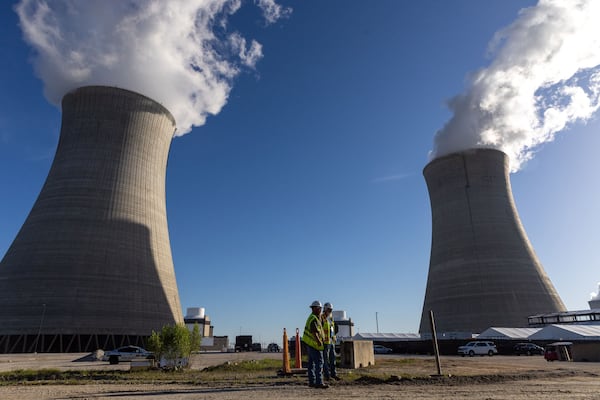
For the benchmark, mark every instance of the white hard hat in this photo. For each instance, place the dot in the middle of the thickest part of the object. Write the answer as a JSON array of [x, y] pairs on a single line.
[[316, 303], [328, 306]]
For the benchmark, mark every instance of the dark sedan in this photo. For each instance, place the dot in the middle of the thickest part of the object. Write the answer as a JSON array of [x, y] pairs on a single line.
[[528, 349]]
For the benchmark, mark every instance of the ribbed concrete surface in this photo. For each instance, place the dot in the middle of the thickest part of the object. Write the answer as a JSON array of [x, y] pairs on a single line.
[[94, 255], [483, 271]]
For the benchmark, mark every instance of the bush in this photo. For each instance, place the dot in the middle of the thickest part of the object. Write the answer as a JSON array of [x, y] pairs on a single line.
[[174, 344]]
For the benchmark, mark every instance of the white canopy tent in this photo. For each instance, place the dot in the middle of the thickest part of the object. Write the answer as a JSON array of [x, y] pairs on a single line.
[[507, 333], [567, 332]]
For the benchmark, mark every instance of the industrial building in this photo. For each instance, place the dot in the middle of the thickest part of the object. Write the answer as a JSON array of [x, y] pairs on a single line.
[[345, 326], [483, 271], [197, 315], [91, 266]]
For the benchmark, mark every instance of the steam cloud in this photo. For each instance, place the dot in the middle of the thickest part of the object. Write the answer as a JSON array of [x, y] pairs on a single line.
[[545, 76], [596, 295], [177, 52]]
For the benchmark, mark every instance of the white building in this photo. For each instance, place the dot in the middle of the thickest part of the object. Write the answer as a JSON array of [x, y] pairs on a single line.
[[345, 326]]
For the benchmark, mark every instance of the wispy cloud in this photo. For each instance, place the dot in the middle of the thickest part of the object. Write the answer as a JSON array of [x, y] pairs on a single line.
[[273, 11], [35, 155], [390, 178]]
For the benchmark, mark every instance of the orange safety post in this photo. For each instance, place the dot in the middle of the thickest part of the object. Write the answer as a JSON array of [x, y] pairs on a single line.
[[286, 354], [298, 354]]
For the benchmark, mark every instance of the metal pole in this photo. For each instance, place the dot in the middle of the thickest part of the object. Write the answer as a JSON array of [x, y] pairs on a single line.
[[37, 339], [377, 321], [435, 343]]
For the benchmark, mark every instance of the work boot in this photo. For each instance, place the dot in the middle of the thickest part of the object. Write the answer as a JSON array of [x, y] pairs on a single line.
[[321, 386]]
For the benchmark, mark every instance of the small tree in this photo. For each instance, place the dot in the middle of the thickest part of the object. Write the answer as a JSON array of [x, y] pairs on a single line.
[[155, 344], [173, 345], [195, 338]]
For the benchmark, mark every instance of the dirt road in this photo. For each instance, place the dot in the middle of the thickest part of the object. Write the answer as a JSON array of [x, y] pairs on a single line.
[[568, 388], [490, 378]]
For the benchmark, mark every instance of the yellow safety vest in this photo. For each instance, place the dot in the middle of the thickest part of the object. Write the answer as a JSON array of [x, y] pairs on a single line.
[[329, 331], [308, 337]]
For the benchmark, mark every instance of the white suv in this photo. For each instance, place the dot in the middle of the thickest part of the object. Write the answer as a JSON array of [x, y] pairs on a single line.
[[479, 348]]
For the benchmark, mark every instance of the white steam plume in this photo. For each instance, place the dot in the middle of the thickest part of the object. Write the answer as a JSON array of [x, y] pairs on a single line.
[[596, 295], [177, 52], [545, 76]]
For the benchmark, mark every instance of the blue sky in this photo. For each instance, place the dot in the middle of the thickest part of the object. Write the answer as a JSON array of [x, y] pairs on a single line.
[[308, 184]]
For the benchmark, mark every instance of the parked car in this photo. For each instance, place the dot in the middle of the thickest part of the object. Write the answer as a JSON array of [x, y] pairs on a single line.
[[126, 353], [479, 348], [528, 348], [273, 348], [379, 349]]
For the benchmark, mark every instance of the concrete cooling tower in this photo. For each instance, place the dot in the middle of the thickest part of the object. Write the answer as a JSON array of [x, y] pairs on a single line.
[[91, 267], [483, 271]]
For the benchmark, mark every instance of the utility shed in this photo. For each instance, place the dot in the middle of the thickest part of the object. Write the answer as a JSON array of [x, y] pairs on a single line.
[[585, 351], [508, 333], [568, 332]]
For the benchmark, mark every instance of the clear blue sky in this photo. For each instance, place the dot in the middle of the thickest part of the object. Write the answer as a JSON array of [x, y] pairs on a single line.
[[308, 184]]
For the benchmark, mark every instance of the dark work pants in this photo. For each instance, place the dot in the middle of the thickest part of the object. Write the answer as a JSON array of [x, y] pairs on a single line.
[[315, 366], [329, 361]]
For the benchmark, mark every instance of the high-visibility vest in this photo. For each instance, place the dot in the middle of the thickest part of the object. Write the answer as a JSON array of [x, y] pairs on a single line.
[[309, 337], [329, 330]]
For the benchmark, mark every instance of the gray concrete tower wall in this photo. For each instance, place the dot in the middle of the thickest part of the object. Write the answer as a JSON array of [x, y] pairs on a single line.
[[93, 257], [483, 271]]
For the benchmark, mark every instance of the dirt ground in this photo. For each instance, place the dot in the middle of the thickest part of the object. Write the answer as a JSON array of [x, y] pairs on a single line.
[[489, 378]]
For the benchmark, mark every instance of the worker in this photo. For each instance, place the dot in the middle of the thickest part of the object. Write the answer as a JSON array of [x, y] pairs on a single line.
[[313, 338], [329, 371]]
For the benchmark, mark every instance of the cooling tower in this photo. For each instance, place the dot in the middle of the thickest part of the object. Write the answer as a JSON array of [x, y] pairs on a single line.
[[483, 271], [91, 267]]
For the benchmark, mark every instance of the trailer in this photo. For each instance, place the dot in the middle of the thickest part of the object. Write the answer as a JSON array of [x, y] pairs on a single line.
[[243, 343]]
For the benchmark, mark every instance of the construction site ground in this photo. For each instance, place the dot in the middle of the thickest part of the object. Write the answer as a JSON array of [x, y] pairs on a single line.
[[392, 377]]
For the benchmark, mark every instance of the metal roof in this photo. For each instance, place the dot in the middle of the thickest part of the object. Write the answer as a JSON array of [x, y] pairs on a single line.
[[568, 332], [507, 333], [386, 337]]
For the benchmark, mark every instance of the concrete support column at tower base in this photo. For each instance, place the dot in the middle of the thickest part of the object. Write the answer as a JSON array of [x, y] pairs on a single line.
[[67, 343]]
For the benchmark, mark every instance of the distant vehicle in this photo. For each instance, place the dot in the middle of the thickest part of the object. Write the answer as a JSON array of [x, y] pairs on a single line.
[[559, 351], [126, 353], [528, 349], [550, 354], [243, 343], [478, 348], [379, 349], [256, 347], [273, 348]]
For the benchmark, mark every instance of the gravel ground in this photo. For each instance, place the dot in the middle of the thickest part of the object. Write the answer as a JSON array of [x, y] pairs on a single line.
[[490, 378]]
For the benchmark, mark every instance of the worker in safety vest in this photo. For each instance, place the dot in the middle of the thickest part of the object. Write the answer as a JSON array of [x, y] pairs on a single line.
[[313, 338], [328, 343]]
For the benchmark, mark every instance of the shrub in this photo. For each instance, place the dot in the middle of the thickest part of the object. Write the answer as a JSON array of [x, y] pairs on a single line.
[[174, 344]]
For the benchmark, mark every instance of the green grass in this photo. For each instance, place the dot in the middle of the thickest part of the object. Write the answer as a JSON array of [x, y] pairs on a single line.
[[246, 366], [250, 372], [246, 371], [50, 375]]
